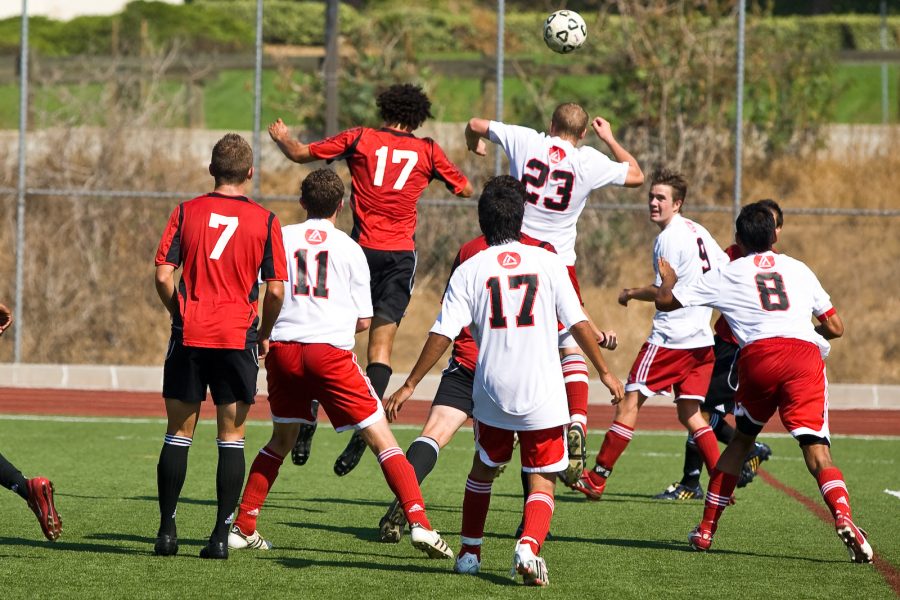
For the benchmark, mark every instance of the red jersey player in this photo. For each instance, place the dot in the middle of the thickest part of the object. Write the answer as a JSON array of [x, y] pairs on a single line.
[[767, 299], [311, 357], [389, 169], [225, 243], [512, 296]]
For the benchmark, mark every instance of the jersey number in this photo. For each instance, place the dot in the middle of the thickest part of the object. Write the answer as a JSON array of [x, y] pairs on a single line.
[[410, 157], [231, 224], [538, 179], [772, 294], [301, 288], [525, 318], [704, 257]]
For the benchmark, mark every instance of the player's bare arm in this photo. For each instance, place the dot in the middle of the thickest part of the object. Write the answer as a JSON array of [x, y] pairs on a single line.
[[644, 294], [635, 177], [831, 328], [605, 339], [665, 299], [292, 148], [585, 338], [6, 318], [271, 308], [434, 349], [476, 133], [165, 287]]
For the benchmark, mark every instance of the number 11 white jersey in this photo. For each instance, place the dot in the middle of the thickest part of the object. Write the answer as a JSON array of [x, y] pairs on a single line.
[[558, 178], [512, 295]]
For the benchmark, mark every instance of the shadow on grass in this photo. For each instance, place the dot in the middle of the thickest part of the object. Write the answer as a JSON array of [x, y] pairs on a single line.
[[70, 546], [366, 534], [182, 500]]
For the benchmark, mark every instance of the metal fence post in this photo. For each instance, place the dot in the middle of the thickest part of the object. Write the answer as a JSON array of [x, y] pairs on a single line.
[[739, 112], [20, 197], [257, 101], [501, 25]]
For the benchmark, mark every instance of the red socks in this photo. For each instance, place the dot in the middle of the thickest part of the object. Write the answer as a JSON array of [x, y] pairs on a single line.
[[538, 512], [476, 501], [834, 492], [401, 478], [614, 443], [718, 495], [262, 476], [708, 445], [575, 375]]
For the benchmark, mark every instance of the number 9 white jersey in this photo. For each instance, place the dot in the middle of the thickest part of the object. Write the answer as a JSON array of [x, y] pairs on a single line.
[[558, 178]]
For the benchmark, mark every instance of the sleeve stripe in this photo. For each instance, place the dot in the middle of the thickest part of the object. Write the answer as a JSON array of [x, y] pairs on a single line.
[[826, 315]]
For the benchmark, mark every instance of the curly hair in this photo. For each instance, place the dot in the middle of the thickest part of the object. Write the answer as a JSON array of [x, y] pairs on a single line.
[[404, 104]]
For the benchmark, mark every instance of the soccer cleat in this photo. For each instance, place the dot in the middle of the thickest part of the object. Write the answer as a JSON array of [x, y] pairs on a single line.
[[214, 550], [679, 491], [587, 487], [40, 501], [303, 445], [577, 454], [855, 539], [238, 541], [758, 455], [166, 545], [532, 568], [349, 458], [700, 538], [467, 564], [391, 525], [430, 542]]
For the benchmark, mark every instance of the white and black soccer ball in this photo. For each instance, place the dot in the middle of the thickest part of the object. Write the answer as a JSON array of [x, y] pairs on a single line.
[[564, 31]]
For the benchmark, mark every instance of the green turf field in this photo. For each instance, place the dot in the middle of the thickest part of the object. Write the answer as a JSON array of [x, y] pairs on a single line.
[[323, 527]]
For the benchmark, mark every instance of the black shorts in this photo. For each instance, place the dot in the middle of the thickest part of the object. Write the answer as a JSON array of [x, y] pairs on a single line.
[[229, 374], [392, 276], [455, 389], [724, 381]]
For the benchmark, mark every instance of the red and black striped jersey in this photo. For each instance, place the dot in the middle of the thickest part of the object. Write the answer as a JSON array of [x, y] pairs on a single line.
[[389, 170], [225, 245]]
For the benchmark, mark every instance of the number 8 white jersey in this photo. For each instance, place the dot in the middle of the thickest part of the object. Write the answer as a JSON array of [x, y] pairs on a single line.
[[558, 178], [327, 288], [512, 295], [762, 296]]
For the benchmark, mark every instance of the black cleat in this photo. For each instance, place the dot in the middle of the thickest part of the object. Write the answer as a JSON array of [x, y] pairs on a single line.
[[166, 545], [390, 527], [351, 455], [679, 491], [217, 550], [757, 456], [303, 445]]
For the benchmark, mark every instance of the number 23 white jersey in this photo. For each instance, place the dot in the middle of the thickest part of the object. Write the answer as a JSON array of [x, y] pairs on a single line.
[[558, 178], [327, 288], [512, 295]]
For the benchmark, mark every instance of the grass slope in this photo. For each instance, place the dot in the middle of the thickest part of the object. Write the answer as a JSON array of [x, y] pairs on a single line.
[[323, 527]]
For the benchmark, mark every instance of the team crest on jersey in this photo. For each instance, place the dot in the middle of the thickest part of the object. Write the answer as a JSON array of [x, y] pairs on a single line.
[[764, 261], [509, 260], [316, 236], [557, 154]]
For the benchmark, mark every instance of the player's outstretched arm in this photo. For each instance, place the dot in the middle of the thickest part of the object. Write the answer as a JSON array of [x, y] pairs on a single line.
[[644, 294], [165, 287], [272, 302], [434, 348], [476, 133], [585, 338], [665, 299], [6, 318], [292, 148], [635, 177]]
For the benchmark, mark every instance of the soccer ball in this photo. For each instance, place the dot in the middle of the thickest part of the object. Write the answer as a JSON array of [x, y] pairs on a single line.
[[564, 31]]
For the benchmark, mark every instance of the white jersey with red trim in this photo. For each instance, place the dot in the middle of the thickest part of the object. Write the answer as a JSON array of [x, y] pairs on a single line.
[[763, 296], [327, 288], [512, 296], [693, 253], [558, 178]]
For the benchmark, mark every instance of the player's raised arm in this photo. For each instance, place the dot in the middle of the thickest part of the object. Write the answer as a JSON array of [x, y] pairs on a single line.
[[635, 177], [292, 148], [6, 318], [476, 132]]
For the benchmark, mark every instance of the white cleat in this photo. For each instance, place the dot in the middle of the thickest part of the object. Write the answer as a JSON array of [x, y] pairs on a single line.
[[430, 542], [532, 568], [855, 539], [467, 564], [238, 541]]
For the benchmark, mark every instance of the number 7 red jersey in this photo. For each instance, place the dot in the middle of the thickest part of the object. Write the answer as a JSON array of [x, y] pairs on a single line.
[[226, 244], [389, 170]]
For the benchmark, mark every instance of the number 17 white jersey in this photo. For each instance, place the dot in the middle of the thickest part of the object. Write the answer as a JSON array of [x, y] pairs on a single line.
[[512, 295], [558, 178]]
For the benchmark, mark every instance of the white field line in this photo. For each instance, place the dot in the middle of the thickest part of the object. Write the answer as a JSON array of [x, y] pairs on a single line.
[[895, 493]]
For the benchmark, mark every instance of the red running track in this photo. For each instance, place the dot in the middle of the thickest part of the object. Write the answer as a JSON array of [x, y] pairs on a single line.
[[93, 403]]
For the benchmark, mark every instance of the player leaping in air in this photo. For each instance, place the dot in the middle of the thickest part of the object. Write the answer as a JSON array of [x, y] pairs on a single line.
[[389, 169], [558, 176]]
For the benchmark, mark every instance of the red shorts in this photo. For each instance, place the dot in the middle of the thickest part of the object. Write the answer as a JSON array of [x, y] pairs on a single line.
[[787, 375], [541, 450], [659, 370], [299, 373]]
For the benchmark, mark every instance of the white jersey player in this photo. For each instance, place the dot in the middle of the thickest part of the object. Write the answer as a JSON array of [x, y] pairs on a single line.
[[558, 177], [511, 295], [768, 299], [678, 357]]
